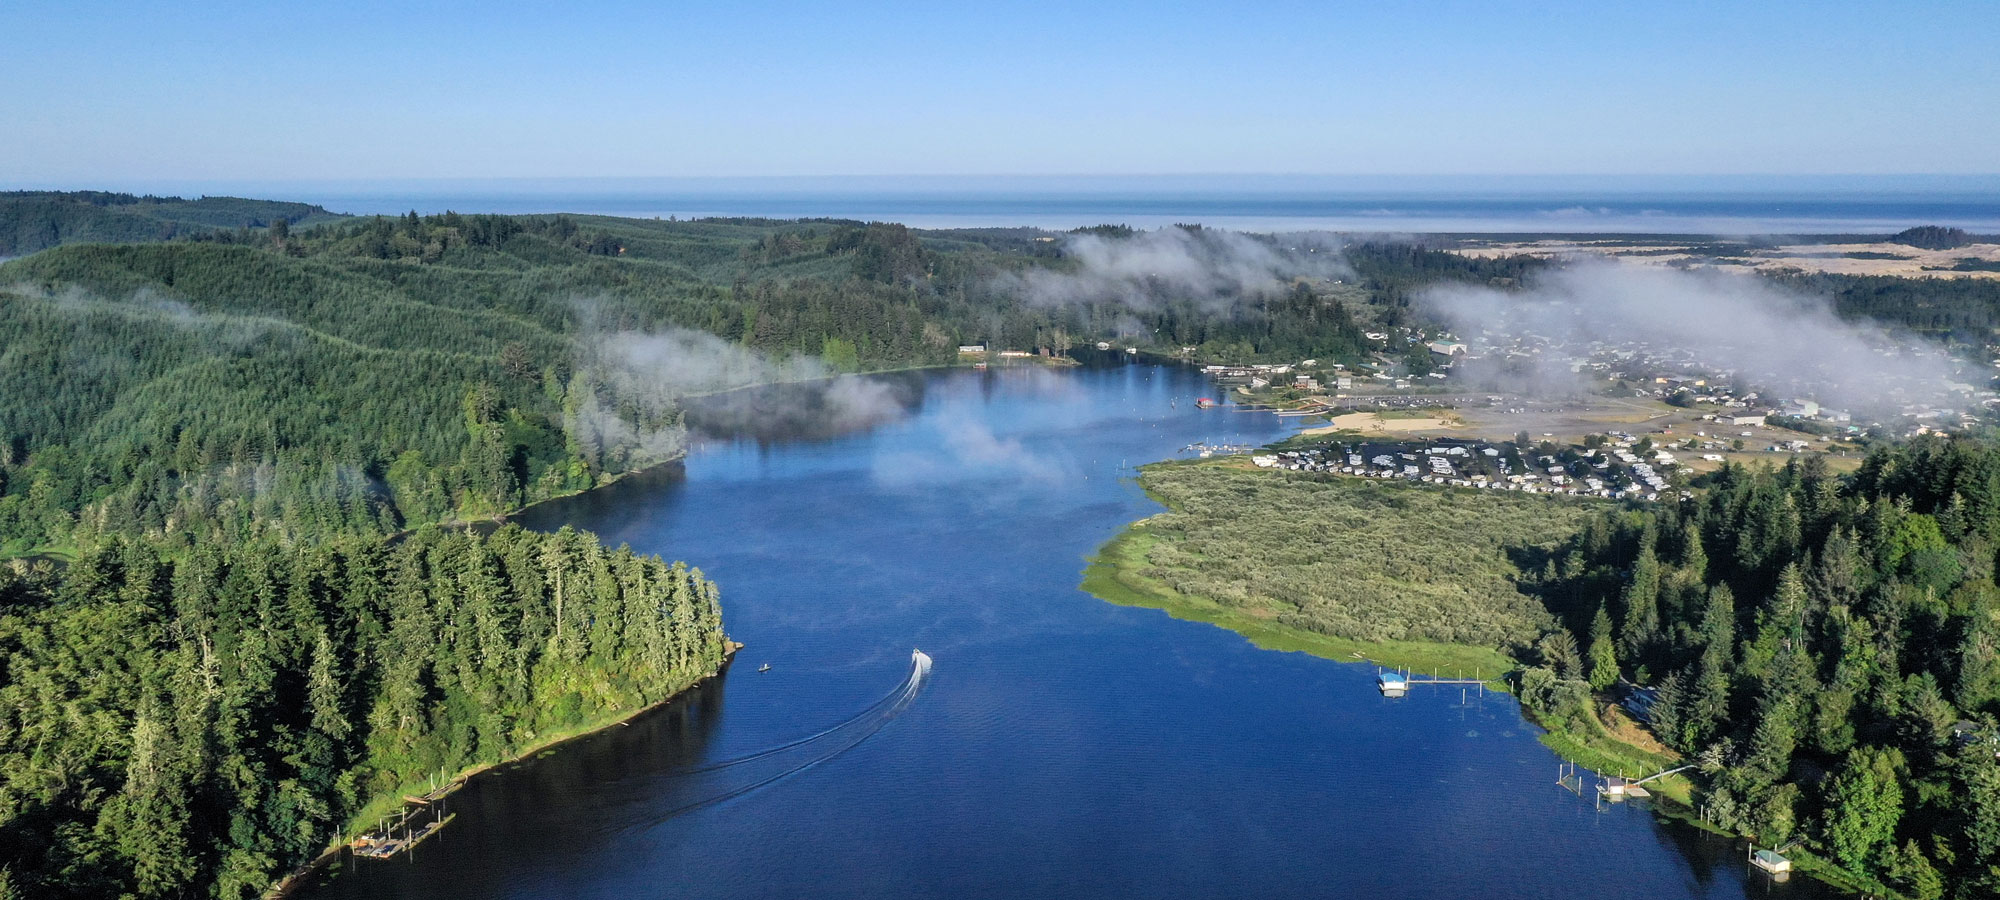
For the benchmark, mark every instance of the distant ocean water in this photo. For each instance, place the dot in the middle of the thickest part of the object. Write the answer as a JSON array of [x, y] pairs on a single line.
[[1651, 205]]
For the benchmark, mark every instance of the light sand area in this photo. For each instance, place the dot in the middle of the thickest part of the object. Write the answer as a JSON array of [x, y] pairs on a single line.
[[1876, 258], [1374, 423]]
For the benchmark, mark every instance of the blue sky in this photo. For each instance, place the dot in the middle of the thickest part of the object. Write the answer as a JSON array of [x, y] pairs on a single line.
[[122, 93]]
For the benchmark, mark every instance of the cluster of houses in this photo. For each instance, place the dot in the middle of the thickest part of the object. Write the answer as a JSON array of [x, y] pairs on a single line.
[[1616, 471], [1264, 375], [1642, 471]]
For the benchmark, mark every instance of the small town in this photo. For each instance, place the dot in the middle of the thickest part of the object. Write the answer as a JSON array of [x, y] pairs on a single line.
[[1608, 466]]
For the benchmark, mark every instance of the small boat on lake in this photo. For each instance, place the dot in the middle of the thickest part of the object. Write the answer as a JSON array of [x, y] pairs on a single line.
[[764, 668]]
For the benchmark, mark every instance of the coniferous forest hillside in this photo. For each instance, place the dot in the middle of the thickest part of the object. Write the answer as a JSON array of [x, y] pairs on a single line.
[[362, 376], [1827, 648], [373, 375], [200, 725], [37, 220]]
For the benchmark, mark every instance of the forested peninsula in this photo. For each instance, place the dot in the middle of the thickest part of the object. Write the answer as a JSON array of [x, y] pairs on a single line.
[[202, 724]]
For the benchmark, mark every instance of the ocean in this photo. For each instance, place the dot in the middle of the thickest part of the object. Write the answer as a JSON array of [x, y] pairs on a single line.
[[1735, 205]]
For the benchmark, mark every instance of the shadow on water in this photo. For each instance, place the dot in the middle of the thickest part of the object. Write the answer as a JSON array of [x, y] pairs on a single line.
[[630, 497], [807, 411], [558, 801]]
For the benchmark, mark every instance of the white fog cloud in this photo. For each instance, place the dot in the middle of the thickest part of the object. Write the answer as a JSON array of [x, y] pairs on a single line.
[[1724, 321]]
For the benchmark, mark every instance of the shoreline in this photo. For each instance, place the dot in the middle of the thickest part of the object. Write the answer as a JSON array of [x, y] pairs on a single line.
[[296, 878], [1110, 577], [1113, 575]]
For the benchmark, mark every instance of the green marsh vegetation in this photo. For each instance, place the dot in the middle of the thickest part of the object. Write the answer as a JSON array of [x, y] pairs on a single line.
[[1822, 647], [1364, 563]]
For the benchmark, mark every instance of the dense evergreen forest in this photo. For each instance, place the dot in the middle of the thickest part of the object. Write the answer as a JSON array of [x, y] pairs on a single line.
[[368, 376], [37, 220], [1960, 310], [1933, 237], [1828, 648], [199, 726]]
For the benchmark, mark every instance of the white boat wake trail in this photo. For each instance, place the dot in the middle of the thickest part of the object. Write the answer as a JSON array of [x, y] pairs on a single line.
[[738, 776]]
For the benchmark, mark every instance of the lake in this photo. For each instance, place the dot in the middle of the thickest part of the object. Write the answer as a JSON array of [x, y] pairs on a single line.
[[1062, 746]]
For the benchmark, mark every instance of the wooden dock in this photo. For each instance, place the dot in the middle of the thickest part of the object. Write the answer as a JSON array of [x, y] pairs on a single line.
[[396, 832], [385, 847], [390, 838]]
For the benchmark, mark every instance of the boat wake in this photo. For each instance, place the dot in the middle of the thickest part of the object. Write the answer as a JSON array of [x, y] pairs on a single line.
[[731, 778]]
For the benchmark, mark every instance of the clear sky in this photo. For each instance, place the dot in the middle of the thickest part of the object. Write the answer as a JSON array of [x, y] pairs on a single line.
[[102, 93]]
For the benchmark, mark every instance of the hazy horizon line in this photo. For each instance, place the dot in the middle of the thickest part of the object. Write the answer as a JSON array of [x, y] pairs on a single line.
[[1729, 182]]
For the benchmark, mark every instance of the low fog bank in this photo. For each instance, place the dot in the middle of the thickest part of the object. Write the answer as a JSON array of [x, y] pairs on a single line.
[[1214, 268], [643, 382], [1723, 323], [810, 410]]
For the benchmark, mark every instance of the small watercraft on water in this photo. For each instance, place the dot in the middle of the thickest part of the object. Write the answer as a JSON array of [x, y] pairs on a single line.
[[764, 668]]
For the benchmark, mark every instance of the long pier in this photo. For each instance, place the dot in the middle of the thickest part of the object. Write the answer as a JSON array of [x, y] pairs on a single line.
[[1396, 682]]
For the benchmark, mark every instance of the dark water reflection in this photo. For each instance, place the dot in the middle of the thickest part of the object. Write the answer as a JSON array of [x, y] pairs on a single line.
[[1064, 746]]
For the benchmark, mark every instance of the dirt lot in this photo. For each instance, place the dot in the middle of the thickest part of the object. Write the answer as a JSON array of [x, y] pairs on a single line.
[[1376, 423]]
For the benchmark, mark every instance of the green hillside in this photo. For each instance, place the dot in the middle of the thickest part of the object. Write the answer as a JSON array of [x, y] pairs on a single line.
[[37, 220], [365, 376]]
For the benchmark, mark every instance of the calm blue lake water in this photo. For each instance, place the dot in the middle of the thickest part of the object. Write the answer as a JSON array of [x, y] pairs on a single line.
[[1062, 747]]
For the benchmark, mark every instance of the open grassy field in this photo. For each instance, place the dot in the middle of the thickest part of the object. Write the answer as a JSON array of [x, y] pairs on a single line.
[[1116, 575], [1345, 568], [1400, 575]]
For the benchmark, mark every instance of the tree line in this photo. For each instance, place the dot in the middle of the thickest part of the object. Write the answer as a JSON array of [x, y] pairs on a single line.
[[202, 724], [365, 376], [1827, 648]]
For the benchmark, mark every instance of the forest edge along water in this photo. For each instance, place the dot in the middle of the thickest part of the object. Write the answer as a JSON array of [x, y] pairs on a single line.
[[1062, 724], [382, 842]]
